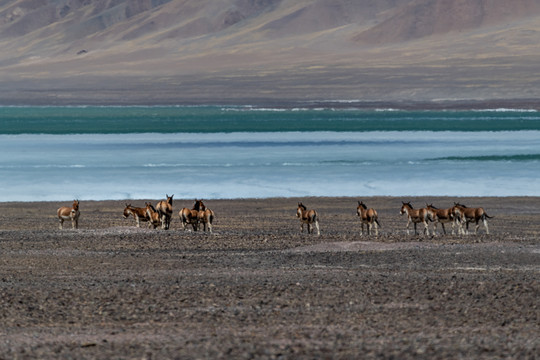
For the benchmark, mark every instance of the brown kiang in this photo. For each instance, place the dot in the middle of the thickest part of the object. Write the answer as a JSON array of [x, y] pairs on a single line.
[[139, 214], [206, 218], [467, 215], [415, 216], [368, 217], [308, 217], [154, 216], [69, 213], [199, 214], [441, 216], [165, 210]]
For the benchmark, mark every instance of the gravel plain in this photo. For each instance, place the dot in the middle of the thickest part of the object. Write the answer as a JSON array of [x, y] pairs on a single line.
[[258, 288]]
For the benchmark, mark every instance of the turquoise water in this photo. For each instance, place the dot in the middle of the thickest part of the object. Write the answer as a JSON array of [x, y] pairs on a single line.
[[61, 153], [125, 120]]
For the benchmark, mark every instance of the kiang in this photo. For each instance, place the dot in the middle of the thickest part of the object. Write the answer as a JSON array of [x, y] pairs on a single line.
[[200, 217]]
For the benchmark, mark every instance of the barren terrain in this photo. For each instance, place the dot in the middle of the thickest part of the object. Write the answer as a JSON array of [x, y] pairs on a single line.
[[269, 51], [258, 288]]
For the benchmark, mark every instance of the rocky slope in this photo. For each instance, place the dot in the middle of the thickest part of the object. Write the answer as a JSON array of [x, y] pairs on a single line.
[[188, 50]]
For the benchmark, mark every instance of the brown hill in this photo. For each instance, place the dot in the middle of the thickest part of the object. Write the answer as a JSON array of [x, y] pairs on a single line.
[[422, 18], [129, 51]]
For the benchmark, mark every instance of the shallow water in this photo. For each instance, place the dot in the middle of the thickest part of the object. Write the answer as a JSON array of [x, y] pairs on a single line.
[[61, 153]]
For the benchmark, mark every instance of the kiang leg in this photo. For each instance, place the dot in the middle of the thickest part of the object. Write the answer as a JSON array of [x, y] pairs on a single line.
[[426, 228], [163, 222], [459, 226]]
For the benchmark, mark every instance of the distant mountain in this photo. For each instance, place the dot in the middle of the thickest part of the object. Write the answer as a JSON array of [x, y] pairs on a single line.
[[127, 51], [421, 18]]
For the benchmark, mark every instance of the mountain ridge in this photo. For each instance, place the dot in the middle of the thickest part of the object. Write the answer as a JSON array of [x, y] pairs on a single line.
[[418, 50]]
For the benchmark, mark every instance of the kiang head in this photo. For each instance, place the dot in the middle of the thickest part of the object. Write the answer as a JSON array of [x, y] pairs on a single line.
[[361, 206], [149, 206], [199, 205], [301, 208], [126, 210], [405, 207]]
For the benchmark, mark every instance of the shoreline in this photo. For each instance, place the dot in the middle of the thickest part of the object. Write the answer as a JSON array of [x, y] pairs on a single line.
[[285, 198], [413, 105]]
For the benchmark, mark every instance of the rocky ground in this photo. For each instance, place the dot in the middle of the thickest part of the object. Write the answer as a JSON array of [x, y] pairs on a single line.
[[258, 288]]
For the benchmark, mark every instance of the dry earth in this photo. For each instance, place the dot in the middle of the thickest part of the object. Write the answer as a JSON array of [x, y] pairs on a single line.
[[257, 288]]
